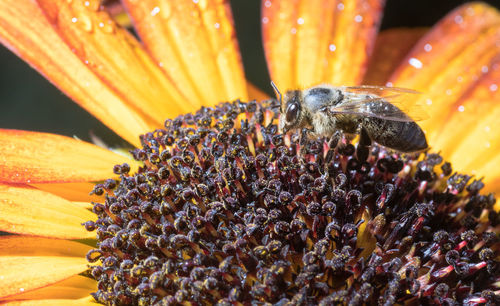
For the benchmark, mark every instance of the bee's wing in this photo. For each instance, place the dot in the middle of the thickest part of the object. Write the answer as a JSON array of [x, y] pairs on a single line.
[[388, 108], [370, 101], [380, 91]]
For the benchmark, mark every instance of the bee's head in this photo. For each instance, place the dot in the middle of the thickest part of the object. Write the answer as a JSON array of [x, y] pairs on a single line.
[[291, 109]]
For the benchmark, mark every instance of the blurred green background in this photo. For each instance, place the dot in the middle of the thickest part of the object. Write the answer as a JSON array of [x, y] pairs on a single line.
[[29, 102]]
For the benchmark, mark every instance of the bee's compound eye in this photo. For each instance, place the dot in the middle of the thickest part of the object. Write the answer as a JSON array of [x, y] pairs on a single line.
[[291, 112]]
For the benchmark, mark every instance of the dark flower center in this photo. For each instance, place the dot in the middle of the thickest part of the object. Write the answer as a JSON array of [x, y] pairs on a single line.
[[226, 209]]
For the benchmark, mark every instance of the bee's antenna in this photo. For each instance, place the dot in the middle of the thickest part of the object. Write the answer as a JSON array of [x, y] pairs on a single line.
[[276, 90]]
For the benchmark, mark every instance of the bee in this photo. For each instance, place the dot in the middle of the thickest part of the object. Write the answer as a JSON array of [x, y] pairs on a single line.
[[376, 113]]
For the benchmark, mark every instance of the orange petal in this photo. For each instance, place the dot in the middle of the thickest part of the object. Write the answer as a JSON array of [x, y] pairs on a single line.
[[116, 57], [34, 212], [456, 66], [310, 42], [195, 44], [255, 93], [71, 191], [28, 263], [25, 31], [447, 61], [75, 287], [30, 157], [391, 47], [36, 246]]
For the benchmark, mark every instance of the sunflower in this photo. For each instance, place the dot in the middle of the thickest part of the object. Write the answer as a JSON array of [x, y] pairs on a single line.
[[214, 205]]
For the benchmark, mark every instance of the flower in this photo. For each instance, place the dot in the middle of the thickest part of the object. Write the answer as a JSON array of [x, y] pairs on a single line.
[[45, 176]]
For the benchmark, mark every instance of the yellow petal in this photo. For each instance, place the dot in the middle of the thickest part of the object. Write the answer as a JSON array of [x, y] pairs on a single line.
[[391, 47], [55, 302], [70, 191], [85, 205], [29, 211], [31, 157], [116, 57], [73, 288], [447, 61], [195, 44], [311, 42], [28, 263], [25, 31]]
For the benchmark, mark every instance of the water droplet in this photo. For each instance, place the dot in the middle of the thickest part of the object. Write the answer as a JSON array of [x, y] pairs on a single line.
[[293, 31], [388, 84], [340, 6], [487, 144], [85, 23], [484, 69], [428, 101], [427, 47], [166, 10], [493, 87], [415, 63], [225, 29], [21, 289], [203, 4], [195, 1], [461, 108], [300, 20], [195, 14], [267, 3], [448, 92], [107, 27], [470, 11], [460, 79], [332, 47], [459, 19], [155, 11], [487, 129], [265, 20], [74, 19], [92, 5], [358, 18]]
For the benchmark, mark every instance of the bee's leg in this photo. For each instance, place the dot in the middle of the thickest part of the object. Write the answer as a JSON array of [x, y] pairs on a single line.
[[362, 151], [304, 135], [334, 140], [332, 146]]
